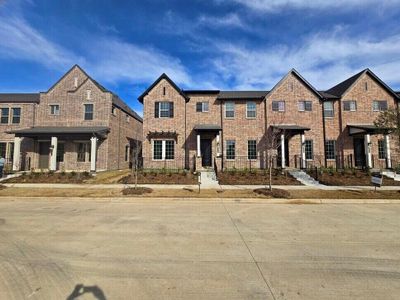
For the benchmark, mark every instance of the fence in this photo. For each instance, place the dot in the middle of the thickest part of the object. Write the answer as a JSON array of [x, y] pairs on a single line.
[[176, 164]]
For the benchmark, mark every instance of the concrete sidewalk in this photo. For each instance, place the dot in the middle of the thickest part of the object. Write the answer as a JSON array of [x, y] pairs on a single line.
[[179, 186]]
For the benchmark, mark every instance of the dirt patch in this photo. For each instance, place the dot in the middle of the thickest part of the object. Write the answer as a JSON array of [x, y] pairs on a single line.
[[136, 191], [274, 193], [161, 178], [348, 178], [256, 178], [107, 177], [51, 177]]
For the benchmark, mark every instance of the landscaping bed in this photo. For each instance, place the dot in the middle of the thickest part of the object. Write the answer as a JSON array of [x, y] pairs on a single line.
[[256, 178], [51, 177], [348, 178], [161, 178]]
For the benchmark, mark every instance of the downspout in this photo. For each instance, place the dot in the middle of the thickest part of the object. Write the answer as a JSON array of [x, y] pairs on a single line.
[[222, 135], [340, 134], [324, 132], [187, 158]]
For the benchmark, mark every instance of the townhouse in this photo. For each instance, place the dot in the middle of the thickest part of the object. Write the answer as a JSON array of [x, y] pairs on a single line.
[[195, 129], [76, 125]]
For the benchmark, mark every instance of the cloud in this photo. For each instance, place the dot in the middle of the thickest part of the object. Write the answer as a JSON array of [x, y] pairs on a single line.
[[278, 5], [323, 59], [231, 20]]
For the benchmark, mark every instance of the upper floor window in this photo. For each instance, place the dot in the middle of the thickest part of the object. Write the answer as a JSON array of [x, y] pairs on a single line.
[[16, 115], [278, 105], [328, 109], [88, 112], [349, 105], [54, 109], [164, 109], [4, 115], [379, 105], [251, 109], [305, 105], [229, 109], [88, 94], [202, 107]]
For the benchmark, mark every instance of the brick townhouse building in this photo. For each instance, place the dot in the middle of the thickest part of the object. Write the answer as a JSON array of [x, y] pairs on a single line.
[[76, 125], [231, 129]]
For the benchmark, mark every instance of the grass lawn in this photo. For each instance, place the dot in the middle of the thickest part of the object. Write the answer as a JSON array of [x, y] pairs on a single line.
[[348, 178], [256, 178]]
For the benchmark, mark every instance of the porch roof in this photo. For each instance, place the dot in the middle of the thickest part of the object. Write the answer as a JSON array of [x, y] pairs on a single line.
[[293, 128], [355, 129], [100, 131], [162, 134], [207, 127]]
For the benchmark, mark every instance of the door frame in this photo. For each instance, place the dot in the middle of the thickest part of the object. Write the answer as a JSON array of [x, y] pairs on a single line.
[[363, 159], [39, 155], [209, 140]]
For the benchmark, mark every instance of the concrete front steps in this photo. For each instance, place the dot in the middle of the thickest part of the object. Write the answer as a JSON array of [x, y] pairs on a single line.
[[392, 175], [209, 179], [305, 179]]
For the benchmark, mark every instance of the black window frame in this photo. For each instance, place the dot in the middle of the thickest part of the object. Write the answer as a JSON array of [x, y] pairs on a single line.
[[169, 149], [309, 149], [16, 119], [230, 149], [252, 149], [4, 118], [330, 149], [382, 105], [347, 105], [202, 106], [60, 152], [88, 115], [83, 152], [381, 149], [276, 105]]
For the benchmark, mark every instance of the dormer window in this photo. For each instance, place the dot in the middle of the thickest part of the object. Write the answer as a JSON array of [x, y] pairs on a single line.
[[88, 94]]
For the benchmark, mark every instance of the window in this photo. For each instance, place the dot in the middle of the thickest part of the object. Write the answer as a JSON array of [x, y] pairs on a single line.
[[328, 109], [4, 115], [381, 149], [230, 149], [349, 105], [157, 150], [88, 112], [16, 115], [88, 94], [251, 109], [252, 149], [164, 110], [54, 109], [163, 149], [330, 149], [202, 107], [278, 106], [127, 151], [169, 149], [305, 105], [3, 150], [60, 152], [379, 105], [309, 149], [229, 109], [83, 152], [114, 110]]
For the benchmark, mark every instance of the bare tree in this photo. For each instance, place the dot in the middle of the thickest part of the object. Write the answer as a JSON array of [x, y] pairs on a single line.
[[136, 157], [389, 120]]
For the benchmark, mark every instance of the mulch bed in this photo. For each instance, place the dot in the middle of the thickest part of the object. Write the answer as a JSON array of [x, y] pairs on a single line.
[[161, 178], [136, 191], [73, 177], [256, 178], [349, 178], [274, 193]]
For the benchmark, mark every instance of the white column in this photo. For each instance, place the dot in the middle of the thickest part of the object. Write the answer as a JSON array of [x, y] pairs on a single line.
[[198, 146], [218, 144], [17, 154], [303, 151], [53, 154], [388, 155], [283, 151], [368, 156], [93, 154]]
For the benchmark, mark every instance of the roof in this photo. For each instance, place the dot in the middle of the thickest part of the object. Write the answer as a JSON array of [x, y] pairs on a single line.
[[207, 127], [202, 92], [237, 95], [61, 130], [328, 96], [123, 106], [291, 127], [163, 76], [363, 128], [340, 89], [19, 98]]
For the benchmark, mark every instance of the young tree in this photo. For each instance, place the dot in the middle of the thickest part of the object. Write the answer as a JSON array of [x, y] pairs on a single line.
[[389, 120], [136, 155]]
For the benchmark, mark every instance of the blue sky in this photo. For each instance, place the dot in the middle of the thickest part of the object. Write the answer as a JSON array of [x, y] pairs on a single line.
[[200, 44]]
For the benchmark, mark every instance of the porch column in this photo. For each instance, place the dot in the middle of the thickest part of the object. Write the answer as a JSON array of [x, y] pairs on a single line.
[[218, 144], [53, 154], [283, 163], [368, 156], [17, 154], [93, 153], [303, 151], [198, 145], [388, 157]]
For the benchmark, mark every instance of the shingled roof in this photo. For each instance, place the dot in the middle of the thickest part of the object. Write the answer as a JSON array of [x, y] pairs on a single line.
[[19, 98], [227, 95]]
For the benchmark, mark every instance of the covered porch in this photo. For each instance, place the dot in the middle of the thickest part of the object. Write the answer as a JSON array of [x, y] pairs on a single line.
[[208, 137], [60, 148]]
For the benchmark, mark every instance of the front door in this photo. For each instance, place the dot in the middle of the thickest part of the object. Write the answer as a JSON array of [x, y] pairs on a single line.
[[44, 152], [359, 152], [206, 153]]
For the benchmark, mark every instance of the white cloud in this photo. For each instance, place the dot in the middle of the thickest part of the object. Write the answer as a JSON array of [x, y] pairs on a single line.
[[231, 20], [278, 5], [324, 60]]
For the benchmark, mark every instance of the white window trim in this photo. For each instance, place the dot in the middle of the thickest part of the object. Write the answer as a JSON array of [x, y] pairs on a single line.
[[255, 110], [163, 150], [333, 110], [351, 110], [202, 106], [279, 108], [88, 94], [87, 152], [11, 116], [59, 109], [234, 109], [379, 110]]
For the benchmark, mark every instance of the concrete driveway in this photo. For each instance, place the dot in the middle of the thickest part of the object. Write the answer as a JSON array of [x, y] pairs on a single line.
[[154, 249]]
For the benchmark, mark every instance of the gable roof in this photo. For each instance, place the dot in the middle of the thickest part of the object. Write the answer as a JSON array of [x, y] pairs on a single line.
[[118, 102], [163, 76], [340, 89], [19, 98], [301, 78]]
